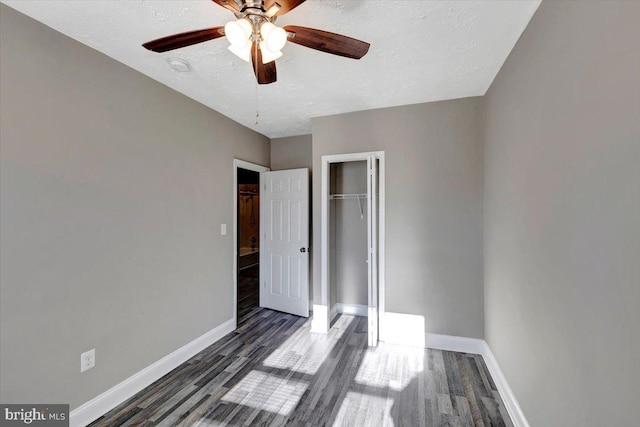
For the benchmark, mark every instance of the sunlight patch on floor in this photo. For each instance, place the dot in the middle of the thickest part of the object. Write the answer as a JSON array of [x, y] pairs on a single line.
[[305, 352], [267, 392], [364, 409], [393, 368]]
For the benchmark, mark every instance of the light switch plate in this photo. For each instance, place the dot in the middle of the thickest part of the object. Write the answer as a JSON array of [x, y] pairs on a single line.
[[223, 229]]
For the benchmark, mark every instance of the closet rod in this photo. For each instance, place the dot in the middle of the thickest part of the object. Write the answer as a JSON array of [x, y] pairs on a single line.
[[347, 196]]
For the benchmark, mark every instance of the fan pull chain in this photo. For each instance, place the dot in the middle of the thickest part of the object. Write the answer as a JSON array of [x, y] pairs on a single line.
[[257, 111], [255, 65]]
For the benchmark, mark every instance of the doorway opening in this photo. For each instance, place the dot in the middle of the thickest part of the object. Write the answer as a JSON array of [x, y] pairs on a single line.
[[246, 237]]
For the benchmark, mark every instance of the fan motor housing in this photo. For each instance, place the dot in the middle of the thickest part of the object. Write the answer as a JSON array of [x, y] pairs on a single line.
[[253, 7]]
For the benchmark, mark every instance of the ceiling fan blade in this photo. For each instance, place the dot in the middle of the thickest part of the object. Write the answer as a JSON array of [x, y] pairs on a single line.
[[285, 5], [228, 4], [177, 41], [327, 42], [265, 73]]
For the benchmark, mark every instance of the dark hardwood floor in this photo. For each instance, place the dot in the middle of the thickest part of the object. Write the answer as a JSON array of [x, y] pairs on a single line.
[[273, 371], [248, 291]]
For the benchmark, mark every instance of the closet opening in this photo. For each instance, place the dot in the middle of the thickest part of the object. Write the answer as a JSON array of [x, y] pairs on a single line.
[[348, 238], [352, 231]]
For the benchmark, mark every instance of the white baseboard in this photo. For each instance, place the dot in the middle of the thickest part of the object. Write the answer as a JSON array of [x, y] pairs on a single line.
[[98, 406], [353, 309], [510, 401], [454, 343]]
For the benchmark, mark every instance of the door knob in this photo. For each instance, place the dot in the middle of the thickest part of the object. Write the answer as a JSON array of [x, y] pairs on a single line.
[[303, 250]]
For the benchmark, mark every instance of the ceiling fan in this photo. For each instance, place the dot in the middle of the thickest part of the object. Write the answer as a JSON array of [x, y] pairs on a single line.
[[255, 38]]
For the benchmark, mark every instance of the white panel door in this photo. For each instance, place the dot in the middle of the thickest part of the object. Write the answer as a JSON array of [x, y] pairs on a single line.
[[284, 242], [372, 259]]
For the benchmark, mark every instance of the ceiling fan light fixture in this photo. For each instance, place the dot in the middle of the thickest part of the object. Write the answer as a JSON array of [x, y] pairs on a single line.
[[254, 37], [274, 37], [268, 55], [238, 32], [242, 53]]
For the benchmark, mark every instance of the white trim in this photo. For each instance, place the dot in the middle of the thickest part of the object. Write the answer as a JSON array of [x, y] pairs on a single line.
[[237, 163], [353, 309], [98, 406], [372, 252], [381, 237], [454, 343], [510, 401], [350, 157], [319, 326], [320, 319]]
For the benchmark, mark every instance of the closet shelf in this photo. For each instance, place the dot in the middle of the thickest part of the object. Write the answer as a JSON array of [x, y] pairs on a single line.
[[347, 196]]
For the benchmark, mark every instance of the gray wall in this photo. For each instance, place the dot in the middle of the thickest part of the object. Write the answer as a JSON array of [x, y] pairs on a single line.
[[113, 188], [291, 153], [434, 206], [562, 215]]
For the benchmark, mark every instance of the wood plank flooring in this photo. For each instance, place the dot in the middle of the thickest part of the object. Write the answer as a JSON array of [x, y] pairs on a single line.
[[248, 291], [273, 371]]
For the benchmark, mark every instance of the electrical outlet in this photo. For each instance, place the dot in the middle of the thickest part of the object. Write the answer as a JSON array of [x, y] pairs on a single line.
[[87, 360], [223, 229]]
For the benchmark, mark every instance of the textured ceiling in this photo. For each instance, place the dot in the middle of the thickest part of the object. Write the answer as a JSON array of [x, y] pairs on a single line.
[[421, 51]]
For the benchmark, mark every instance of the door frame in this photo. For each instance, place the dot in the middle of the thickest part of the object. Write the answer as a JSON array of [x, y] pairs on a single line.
[[322, 310], [239, 164]]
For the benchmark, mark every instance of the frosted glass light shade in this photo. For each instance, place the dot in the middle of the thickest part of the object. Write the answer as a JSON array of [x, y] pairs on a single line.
[[274, 37], [267, 54], [238, 32], [243, 53], [265, 29]]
